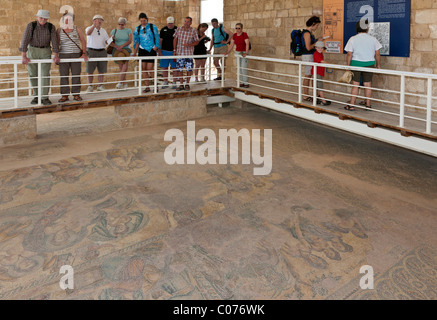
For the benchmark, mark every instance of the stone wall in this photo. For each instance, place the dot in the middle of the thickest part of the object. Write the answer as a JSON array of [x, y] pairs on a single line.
[[156, 112]]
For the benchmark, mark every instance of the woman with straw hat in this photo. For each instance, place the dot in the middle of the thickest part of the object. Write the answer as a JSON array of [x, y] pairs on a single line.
[[123, 37]]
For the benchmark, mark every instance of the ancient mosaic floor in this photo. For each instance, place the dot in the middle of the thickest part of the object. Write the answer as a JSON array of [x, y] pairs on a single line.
[[134, 227]]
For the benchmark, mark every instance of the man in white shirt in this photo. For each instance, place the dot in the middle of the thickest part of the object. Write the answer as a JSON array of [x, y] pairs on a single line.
[[362, 51], [97, 39]]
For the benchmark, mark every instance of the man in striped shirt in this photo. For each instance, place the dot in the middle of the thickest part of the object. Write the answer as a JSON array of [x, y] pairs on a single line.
[[185, 39], [35, 45]]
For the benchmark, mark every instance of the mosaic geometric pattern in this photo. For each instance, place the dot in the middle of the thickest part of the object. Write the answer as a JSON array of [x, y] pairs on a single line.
[[134, 227]]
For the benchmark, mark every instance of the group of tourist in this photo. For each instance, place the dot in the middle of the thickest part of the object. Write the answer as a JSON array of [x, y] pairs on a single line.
[[362, 51], [69, 41]]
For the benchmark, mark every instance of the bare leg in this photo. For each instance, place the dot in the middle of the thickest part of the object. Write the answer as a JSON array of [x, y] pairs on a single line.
[[354, 92], [368, 92], [90, 78], [100, 78], [217, 66]]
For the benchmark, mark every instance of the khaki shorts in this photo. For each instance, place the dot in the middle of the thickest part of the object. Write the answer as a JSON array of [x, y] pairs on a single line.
[[220, 50], [367, 76]]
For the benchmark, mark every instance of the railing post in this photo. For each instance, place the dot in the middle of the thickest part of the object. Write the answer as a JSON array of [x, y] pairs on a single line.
[[39, 84], [210, 67], [428, 106], [155, 75], [238, 69], [140, 76], [315, 86], [223, 71], [402, 102], [300, 84], [15, 85]]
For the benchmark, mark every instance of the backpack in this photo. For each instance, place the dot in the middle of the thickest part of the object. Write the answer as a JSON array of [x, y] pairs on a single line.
[[151, 29], [224, 35], [297, 45], [34, 26]]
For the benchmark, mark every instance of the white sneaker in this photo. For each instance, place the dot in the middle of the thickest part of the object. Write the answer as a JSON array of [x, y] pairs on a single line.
[[165, 85], [90, 89], [125, 86], [119, 86], [100, 88]]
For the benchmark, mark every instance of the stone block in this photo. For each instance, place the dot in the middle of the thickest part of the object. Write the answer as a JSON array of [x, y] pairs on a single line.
[[428, 16]]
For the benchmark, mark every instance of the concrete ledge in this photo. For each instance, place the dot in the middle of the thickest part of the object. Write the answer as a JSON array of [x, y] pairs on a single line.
[[17, 130], [155, 112]]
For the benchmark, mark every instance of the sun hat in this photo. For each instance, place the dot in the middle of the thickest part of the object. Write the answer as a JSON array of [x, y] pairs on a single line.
[[98, 16], [43, 14], [170, 20], [121, 54]]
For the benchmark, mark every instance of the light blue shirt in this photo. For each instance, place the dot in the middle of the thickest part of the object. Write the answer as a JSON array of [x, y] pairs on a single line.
[[145, 37]]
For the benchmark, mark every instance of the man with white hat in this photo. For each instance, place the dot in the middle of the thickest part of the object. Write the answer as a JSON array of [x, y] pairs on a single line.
[[97, 38], [35, 45], [166, 35]]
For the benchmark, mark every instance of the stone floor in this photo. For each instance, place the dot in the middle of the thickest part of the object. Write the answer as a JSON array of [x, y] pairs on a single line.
[[133, 227]]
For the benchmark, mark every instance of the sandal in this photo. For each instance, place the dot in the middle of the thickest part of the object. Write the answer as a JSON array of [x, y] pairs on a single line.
[[181, 87], [368, 108], [63, 99], [350, 108], [309, 99], [326, 103], [187, 87], [77, 98], [146, 90]]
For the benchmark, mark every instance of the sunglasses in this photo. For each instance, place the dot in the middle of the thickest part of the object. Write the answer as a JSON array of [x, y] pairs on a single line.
[[237, 28], [98, 32], [121, 24]]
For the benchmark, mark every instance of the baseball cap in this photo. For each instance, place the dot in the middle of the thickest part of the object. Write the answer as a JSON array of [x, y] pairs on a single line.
[[170, 20]]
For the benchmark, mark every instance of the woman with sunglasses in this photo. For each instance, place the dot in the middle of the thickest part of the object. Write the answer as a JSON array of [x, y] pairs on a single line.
[[241, 40], [123, 37]]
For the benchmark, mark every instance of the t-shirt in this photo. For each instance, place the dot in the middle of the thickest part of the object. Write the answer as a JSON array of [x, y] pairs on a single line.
[[122, 36], [97, 39], [201, 47], [239, 41], [166, 34], [363, 47], [318, 57], [218, 36]]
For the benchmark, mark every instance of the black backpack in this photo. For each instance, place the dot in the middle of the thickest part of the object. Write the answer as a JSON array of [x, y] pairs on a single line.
[[34, 26], [297, 45], [151, 29], [224, 34]]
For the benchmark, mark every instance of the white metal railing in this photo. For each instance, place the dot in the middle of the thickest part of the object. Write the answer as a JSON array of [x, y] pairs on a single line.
[[283, 82], [13, 82]]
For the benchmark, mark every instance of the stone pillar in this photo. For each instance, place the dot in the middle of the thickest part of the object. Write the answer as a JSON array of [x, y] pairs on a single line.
[[17, 130], [156, 112]]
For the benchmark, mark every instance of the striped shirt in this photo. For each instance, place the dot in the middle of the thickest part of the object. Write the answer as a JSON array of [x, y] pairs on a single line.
[[67, 45], [41, 37], [185, 36]]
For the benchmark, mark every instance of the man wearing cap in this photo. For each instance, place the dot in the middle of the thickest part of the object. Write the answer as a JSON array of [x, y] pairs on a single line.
[[146, 43], [35, 45], [166, 35], [97, 38]]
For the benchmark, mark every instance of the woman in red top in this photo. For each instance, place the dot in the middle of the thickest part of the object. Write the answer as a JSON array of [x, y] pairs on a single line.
[[241, 40]]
